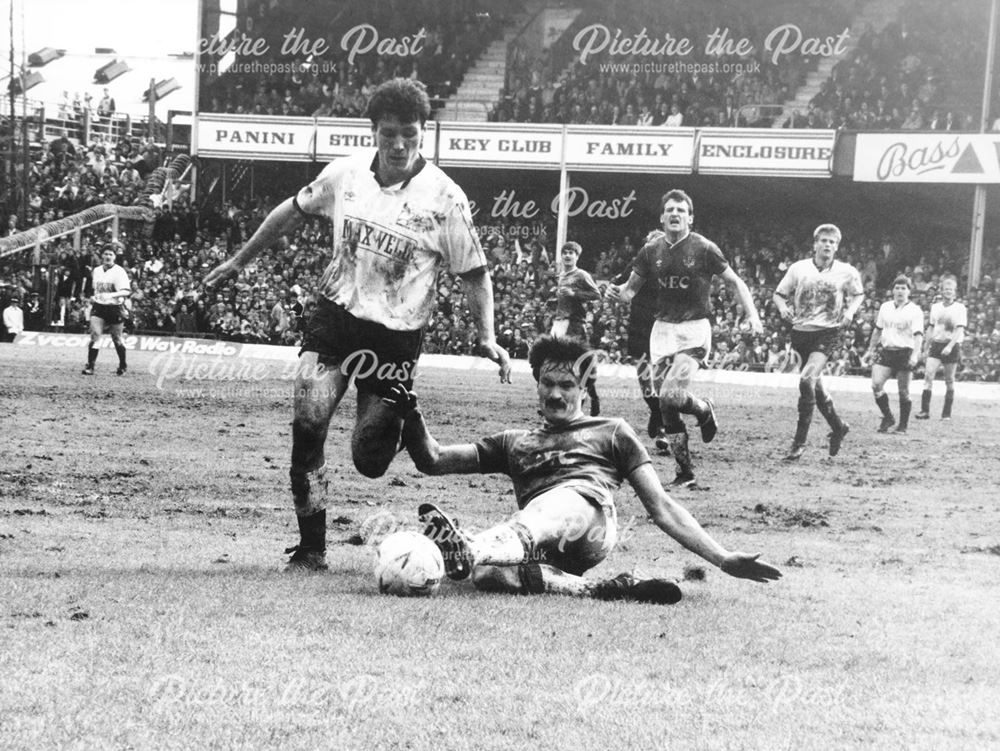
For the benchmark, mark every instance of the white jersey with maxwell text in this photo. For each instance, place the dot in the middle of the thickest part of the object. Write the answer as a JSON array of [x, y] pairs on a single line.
[[819, 297], [946, 318], [114, 279], [899, 325], [389, 243]]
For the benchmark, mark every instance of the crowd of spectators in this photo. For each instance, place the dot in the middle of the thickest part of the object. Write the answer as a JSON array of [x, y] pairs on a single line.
[[267, 303], [431, 41], [924, 72]]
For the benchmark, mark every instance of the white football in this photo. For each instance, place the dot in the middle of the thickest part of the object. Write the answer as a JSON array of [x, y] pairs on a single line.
[[407, 564]]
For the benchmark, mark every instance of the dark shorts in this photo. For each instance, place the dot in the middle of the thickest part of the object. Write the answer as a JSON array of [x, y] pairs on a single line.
[[110, 314], [638, 337], [896, 359], [375, 357], [827, 341], [952, 357]]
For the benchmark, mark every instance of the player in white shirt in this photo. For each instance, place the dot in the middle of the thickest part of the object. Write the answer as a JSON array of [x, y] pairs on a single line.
[[945, 334], [818, 296], [895, 343], [111, 287], [396, 222]]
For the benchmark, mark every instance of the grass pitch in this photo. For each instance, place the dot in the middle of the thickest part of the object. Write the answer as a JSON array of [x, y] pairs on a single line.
[[143, 604]]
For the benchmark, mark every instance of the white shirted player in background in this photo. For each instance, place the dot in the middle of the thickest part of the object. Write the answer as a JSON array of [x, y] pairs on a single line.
[[111, 288], [945, 334], [894, 346], [396, 221]]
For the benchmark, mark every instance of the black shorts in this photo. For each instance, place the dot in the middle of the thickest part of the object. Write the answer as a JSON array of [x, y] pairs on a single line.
[[896, 358], [827, 341], [638, 337], [952, 357], [110, 314], [375, 357]]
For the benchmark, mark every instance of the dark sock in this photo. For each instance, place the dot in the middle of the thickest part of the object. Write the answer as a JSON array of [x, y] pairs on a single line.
[[825, 406], [120, 349], [91, 356], [949, 398], [654, 405], [883, 405], [692, 405], [925, 401], [807, 403], [905, 405], [312, 531], [679, 448], [595, 400]]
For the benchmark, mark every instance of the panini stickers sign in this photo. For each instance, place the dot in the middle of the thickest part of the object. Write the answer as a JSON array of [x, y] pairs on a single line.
[[345, 136], [260, 137], [537, 146], [630, 149], [728, 151], [927, 158]]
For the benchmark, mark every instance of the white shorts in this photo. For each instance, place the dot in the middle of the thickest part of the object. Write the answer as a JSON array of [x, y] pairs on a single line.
[[691, 337], [586, 540]]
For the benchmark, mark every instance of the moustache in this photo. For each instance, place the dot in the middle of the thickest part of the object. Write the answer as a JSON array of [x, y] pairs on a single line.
[[555, 403]]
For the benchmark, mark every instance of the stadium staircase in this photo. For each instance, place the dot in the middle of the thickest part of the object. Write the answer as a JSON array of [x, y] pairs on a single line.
[[876, 14], [483, 83]]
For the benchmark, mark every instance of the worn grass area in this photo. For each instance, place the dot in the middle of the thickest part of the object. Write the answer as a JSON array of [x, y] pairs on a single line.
[[142, 602]]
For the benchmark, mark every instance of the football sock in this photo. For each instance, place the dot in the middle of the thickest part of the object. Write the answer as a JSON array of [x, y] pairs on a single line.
[[882, 400], [679, 448], [120, 349], [312, 530], [949, 398], [692, 405], [557, 582], [91, 355], [309, 491], [595, 400], [825, 406], [807, 403], [653, 403], [905, 405], [503, 545], [925, 401]]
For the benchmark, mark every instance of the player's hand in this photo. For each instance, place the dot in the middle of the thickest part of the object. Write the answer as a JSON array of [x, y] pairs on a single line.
[[755, 325], [787, 314], [400, 401], [496, 353], [946, 350], [225, 270], [613, 292], [745, 566], [655, 234]]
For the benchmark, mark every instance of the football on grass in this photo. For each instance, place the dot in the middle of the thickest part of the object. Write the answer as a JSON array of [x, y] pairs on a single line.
[[407, 564]]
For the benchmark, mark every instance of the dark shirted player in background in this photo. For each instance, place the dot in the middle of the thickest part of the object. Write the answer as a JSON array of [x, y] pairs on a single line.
[[564, 474], [945, 334], [895, 343], [818, 296], [111, 288], [682, 264], [396, 221], [642, 314], [575, 289]]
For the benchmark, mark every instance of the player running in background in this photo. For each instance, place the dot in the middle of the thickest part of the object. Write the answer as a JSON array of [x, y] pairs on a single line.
[[564, 474], [396, 221], [682, 264], [575, 289], [110, 288], [818, 296], [642, 314], [945, 333], [895, 343]]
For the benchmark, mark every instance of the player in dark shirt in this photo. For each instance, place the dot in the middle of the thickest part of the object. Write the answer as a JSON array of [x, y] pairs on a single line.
[[575, 289], [682, 264], [564, 473]]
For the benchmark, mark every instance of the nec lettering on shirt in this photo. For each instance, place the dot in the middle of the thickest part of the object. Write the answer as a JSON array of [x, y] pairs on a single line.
[[683, 274], [390, 242]]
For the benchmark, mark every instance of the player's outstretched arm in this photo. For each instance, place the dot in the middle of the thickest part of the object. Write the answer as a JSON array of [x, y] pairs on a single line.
[[283, 219], [746, 299], [428, 455], [627, 291], [478, 288], [677, 522]]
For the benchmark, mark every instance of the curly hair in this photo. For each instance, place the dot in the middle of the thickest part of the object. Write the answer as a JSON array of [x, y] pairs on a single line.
[[403, 98], [562, 350]]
